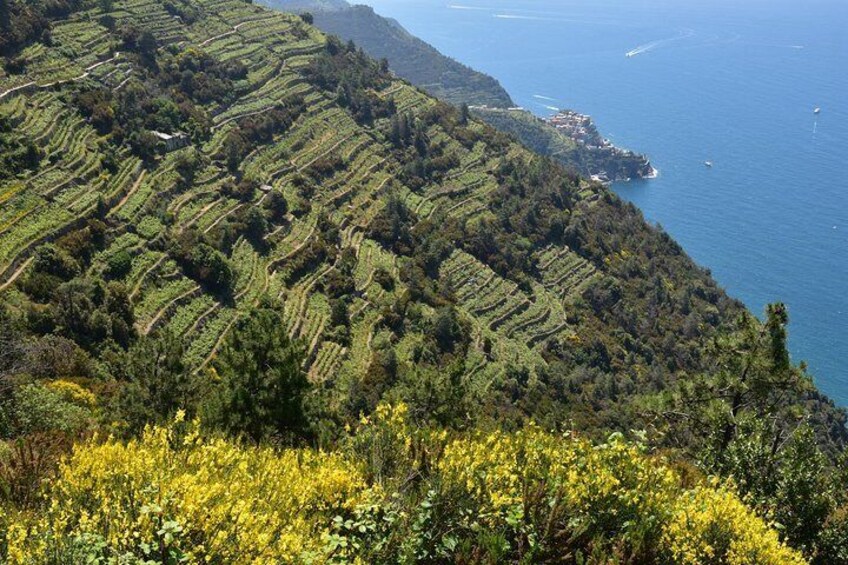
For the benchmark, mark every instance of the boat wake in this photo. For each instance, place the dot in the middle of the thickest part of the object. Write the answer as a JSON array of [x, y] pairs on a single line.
[[540, 97], [517, 17], [549, 107], [646, 47]]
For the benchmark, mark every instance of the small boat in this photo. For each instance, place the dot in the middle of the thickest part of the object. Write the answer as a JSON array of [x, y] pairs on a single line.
[[817, 111], [708, 163]]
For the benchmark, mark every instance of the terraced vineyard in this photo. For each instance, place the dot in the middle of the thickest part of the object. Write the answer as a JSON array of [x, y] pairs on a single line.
[[499, 308], [563, 272], [208, 208], [334, 167]]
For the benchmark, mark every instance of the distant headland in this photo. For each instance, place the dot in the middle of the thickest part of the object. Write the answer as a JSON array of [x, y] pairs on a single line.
[[617, 164], [573, 139]]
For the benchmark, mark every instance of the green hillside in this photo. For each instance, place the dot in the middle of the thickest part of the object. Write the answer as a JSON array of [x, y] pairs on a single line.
[[210, 206], [409, 57], [351, 202], [440, 76], [304, 186]]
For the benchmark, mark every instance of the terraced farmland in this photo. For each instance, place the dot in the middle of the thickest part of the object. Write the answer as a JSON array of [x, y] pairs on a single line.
[[564, 272], [499, 306], [332, 167]]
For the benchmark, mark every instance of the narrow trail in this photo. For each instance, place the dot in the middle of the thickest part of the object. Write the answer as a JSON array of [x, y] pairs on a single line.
[[15, 89], [16, 274], [32, 84], [129, 193], [225, 34]]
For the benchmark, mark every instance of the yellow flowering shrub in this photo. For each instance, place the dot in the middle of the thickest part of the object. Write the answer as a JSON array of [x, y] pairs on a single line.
[[391, 494], [212, 500], [496, 467], [711, 524], [610, 495], [74, 393]]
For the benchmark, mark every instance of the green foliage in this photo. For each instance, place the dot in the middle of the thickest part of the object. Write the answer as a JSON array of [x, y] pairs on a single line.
[[19, 154], [742, 420], [205, 264], [39, 409], [276, 206], [22, 22], [353, 76], [448, 331], [392, 226], [155, 383], [259, 385], [436, 396], [91, 313], [119, 265]]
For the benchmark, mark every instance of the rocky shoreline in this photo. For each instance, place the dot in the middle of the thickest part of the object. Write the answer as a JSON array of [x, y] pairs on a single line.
[[610, 163]]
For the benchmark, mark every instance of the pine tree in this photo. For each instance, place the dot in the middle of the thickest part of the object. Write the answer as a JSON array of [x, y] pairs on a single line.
[[262, 386]]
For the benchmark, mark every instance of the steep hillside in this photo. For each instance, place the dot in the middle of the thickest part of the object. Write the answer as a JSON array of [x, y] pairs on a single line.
[[442, 77], [202, 197], [409, 57], [312, 176], [306, 173]]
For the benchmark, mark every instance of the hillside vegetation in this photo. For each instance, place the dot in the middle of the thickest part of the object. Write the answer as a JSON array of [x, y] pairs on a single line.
[[408, 56], [442, 77], [483, 498], [211, 209]]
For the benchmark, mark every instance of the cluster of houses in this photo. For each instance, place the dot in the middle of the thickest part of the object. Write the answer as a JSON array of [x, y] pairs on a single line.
[[578, 127]]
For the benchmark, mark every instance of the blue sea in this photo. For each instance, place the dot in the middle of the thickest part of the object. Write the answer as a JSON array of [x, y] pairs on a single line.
[[734, 82]]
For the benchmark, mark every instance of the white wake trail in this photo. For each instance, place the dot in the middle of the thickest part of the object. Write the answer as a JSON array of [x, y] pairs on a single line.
[[646, 47], [517, 17]]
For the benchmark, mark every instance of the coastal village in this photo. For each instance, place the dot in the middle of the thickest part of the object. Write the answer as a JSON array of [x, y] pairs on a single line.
[[581, 129], [583, 149], [578, 127]]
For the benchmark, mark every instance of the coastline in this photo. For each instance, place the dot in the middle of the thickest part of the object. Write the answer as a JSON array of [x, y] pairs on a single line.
[[572, 139], [612, 163]]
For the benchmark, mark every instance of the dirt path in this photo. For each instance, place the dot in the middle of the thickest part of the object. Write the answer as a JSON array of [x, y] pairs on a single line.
[[129, 193], [16, 274]]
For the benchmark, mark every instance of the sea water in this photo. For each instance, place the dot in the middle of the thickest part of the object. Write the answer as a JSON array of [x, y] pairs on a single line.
[[732, 82]]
